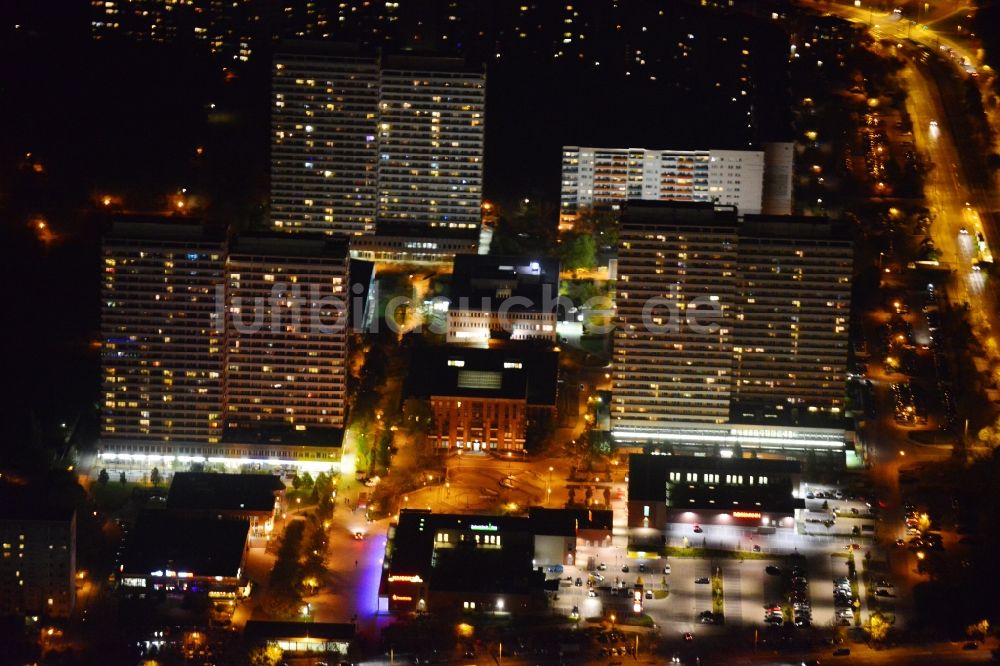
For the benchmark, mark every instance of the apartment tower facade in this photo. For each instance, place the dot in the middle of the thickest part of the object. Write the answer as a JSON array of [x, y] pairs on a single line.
[[360, 141], [675, 307], [286, 325], [162, 339], [212, 347], [323, 132], [793, 315], [729, 320]]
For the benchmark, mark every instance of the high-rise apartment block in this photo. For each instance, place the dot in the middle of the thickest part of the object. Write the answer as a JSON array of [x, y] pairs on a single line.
[[607, 178], [430, 143], [724, 320], [323, 131], [675, 301], [286, 326], [214, 347], [162, 353], [793, 315], [360, 140]]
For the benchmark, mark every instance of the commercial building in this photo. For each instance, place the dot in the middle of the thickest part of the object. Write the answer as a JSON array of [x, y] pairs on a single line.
[[251, 497], [323, 148], [748, 492], [446, 562], [37, 553], [162, 338], [301, 637], [608, 178], [413, 245], [791, 333], [486, 399], [675, 300], [480, 563], [502, 298], [818, 439], [287, 330], [731, 332], [168, 552], [361, 141], [558, 533]]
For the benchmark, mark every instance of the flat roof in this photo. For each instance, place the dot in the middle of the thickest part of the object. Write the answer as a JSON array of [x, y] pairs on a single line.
[[461, 566], [429, 63], [775, 497], [485, 282], [648, 474], [566, 522], [264, 630], [286, 245], [670, 213], [792, 227], [453, 371], [151, 227], [505, 570], [161, 540], [205, 491], [413, 543], [31, 502]]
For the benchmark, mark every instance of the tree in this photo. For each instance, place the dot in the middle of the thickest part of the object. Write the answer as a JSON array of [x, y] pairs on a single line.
[[103, 477], [978, 630], [600, 224], [122, 478], [538, 433], [878, 626], [923, 522], [577, 251], [296, 482], [307, 480], [154, 476], [269, 655]]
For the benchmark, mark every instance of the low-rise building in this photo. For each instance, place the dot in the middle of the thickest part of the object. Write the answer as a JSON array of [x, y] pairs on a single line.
[[481, 563], [558, 532], [301, 637], [447, 562], [409, 245], [749, 492], [251, 497], [167, 552], [486, 399], [502, 298], [37, 554]]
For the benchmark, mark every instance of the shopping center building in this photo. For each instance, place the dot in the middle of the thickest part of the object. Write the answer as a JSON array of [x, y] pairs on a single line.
[[754, 493]]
